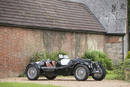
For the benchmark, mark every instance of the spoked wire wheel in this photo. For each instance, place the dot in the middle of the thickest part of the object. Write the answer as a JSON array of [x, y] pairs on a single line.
[[32, 73], [100, 75], [81, 72]]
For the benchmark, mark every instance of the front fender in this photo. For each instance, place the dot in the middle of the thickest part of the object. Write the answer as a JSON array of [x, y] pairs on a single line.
[[89, 65], [82, 63]]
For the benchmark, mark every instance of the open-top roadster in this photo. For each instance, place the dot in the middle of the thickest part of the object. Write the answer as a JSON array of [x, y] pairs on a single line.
[[80, 68]]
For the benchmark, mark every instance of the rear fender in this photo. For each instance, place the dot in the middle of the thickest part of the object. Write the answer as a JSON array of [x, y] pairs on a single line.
[[33, 64]]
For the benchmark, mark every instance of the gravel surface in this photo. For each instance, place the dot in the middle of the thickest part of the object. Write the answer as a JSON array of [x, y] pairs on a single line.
[[71, 82]]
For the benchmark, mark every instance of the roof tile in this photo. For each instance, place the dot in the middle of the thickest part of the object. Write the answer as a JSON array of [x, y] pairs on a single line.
[[49, 13]]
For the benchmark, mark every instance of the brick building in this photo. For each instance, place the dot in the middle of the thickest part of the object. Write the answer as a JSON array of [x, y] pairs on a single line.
[[29, 26]]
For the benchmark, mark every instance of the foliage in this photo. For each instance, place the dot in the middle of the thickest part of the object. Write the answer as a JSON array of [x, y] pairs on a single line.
[[111, 75], [118, 71], [14, 84], [126, 64], [46, 55], [98, 56], [55, 55], [126, 67], [22, 75], [128, 55], [40, 56]]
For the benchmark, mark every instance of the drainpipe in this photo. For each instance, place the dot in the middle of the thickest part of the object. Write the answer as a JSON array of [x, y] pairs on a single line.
[[126, 36], [128, 39], [123, 56]]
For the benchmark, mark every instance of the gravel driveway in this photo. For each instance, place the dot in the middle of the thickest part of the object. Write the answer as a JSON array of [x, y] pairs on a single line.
[[71, 82]]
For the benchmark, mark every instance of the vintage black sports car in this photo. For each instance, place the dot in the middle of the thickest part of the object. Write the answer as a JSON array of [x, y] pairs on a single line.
[[80, 68]]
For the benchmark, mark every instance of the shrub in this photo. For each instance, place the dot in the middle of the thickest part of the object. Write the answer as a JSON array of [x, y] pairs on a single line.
[[111, 75], [46, 55], [119, 70], [55, 55], [126, 67], [40, 56], [22, 75], [128, 55], [98, 56], [126, 64]]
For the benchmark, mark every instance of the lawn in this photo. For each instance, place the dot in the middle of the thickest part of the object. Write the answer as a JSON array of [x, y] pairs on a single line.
[[14, 84]]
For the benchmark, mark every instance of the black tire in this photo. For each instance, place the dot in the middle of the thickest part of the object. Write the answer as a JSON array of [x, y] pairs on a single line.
[[50, 77], [32, 72], [81, 75], [101, 75]]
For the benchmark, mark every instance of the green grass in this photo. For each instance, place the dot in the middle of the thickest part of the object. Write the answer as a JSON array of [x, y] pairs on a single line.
[[14, 84]]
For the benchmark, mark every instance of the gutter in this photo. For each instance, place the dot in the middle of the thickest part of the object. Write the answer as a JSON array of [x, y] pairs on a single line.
[[51, 28], [118, 34]]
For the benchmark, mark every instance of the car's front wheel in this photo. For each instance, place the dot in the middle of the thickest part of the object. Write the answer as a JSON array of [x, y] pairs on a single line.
[[81, 72], [100, 75], [32, 72]]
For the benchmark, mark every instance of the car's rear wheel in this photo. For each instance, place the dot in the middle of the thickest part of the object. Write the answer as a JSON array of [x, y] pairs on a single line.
[[81, 72], [32, 72], [100, 75], [50, 77]]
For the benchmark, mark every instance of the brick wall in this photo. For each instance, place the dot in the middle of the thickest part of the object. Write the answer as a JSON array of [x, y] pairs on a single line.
[[114, 48], [17, 46], [14, 50]]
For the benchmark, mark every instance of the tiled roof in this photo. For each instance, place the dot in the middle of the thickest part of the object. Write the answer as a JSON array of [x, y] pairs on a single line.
[[49, 13]]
